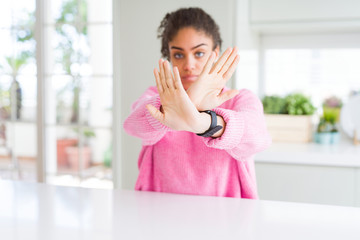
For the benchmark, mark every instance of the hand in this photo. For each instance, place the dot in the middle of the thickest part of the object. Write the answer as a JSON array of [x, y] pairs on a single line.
[[178, 112], [206, 92]]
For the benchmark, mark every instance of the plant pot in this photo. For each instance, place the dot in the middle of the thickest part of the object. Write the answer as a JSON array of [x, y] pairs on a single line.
[[335, 137], [61, 146], [73, 155], [327, 137], [323, 138], [289, 128]]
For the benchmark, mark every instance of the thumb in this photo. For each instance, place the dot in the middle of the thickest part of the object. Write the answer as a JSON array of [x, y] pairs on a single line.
[[228, 95], [155, 113]]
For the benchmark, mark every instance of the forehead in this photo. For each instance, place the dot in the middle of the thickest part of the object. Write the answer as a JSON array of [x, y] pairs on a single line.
[[189, 37]]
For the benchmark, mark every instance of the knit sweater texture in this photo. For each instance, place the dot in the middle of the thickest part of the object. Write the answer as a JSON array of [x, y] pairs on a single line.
[[182, 162]]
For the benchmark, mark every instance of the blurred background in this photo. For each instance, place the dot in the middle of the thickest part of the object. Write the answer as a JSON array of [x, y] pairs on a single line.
[[70, 70]]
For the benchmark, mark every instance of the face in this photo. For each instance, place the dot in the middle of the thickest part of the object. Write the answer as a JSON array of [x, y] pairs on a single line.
[[189, 51]]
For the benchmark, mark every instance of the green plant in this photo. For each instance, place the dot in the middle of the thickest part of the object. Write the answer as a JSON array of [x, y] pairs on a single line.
[[324, 126], [293, 104], [87, 133], [332, 106], [299, 104], [274, 105], [328, 122]]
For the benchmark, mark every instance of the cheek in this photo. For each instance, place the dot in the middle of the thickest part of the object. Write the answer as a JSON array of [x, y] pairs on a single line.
[[202, 62], [176, 63]]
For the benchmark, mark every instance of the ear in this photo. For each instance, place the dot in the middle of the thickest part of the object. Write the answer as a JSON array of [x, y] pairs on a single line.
[[217, 52]]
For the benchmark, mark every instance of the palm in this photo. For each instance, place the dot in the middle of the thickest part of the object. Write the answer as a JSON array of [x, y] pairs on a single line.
[[206, 93], [178, 112]]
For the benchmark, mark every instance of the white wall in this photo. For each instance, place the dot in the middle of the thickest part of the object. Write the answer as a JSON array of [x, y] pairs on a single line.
[[140, 51]]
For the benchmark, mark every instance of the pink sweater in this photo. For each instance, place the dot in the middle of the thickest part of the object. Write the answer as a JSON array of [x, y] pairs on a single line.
[[182, 162]]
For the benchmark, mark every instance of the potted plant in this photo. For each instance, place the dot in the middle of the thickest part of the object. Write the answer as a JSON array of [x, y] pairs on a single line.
[[327, 130], [80, 157], [289, 118], [332, 105]]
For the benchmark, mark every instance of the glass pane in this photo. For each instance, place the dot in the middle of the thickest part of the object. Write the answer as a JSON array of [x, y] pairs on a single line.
[[6, 158], [13, 11], [54, 52], [5, 14], [67, 138], [247, 71], [66, 11], [25, 151], [98, 142], [100, 39], [71, 49], [62, 100], [79, 92], [6, 48], [319, 73], [5, 83], [82, 157], [96, 102], [28, 103], [18, 157], [99, 11]]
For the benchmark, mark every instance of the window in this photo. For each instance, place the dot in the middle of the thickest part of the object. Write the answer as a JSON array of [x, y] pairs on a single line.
[[78, 82], [316, 72], [318, 65], [18, 85]]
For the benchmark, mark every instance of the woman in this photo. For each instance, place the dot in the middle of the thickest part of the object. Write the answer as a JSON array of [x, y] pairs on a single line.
[[180, 152]]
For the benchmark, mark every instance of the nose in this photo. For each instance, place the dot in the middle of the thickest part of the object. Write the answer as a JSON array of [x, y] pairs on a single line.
[[189, 63]]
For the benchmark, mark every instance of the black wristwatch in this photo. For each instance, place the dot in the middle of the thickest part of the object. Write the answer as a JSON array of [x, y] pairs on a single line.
[[213, 126]]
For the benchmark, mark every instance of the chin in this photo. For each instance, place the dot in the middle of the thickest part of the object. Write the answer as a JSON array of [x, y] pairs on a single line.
[[186, 86]]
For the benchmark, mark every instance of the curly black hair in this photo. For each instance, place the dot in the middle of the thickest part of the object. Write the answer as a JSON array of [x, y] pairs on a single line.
[[187, 17]]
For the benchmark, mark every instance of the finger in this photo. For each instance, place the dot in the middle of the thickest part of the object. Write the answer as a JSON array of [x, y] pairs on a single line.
[[177, 82], [155, 113], [162, 75], [209, 63], [229, 61], [223, 97], [168, 75], [216, 68], [157, 79], [227, 75]]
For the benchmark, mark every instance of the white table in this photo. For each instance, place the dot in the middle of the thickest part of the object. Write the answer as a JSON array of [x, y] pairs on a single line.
[[39, 211]]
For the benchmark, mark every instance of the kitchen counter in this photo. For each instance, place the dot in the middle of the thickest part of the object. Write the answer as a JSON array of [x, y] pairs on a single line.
[[39, 211], [344, 154]]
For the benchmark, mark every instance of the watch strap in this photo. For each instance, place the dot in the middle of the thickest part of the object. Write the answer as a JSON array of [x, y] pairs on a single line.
[[213, 126]]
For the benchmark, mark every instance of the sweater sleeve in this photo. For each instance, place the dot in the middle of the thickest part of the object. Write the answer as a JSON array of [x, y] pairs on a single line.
[[141, 124], [245, 132]]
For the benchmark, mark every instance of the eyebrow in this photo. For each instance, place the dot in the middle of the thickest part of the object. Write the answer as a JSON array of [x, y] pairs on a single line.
[[179, 48]]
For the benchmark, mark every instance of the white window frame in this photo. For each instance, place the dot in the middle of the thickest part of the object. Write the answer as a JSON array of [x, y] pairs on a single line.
[[117, 126], [302, 40]]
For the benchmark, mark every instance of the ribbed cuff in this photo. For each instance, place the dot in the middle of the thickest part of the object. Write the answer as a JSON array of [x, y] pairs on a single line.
[[233, 132], [151, 120]]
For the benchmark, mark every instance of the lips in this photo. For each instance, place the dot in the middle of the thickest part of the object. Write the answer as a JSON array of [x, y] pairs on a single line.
[[189, 77]]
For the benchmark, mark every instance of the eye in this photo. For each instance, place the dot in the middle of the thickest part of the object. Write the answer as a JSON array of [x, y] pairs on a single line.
[[178, 55], [199, 54]]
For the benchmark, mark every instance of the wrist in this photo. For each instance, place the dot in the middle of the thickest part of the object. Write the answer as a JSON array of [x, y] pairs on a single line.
[[202, 123], [221, 122], [214, 128]]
